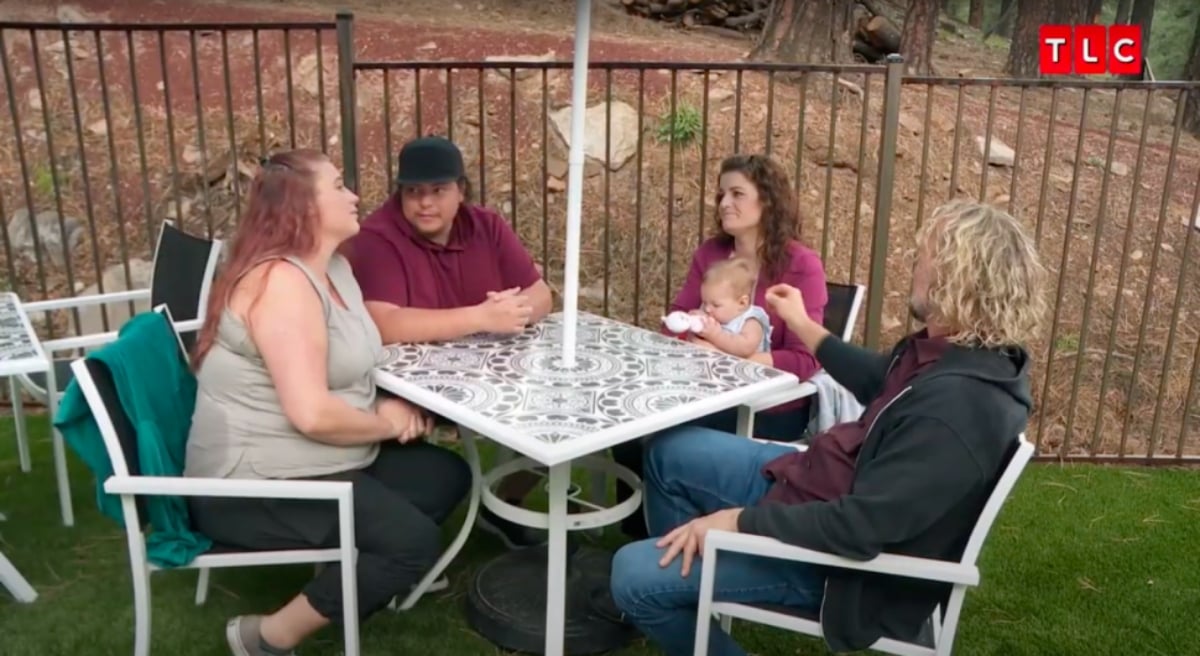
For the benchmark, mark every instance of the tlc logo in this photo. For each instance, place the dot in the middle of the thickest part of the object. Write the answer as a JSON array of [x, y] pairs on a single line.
[[1090, 49]]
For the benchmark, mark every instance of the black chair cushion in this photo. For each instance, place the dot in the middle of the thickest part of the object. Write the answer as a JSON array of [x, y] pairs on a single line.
[[180, 270], [837, 309], [126, 434]]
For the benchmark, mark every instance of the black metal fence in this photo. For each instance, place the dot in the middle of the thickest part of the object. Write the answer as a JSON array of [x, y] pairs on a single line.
[[126, 125]]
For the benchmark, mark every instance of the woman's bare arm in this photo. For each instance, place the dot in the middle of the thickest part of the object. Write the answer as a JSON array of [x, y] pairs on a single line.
[[287, 323]]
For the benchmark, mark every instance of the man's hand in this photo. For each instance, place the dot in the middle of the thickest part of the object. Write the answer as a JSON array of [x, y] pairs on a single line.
[[688, 540], [505, 311], [788, 303]]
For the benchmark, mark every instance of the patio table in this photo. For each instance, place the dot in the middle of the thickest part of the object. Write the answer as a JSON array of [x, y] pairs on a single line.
[[626, 382], [20, 353]]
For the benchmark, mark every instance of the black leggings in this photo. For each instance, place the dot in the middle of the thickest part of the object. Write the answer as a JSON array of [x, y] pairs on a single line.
[[399, 502]]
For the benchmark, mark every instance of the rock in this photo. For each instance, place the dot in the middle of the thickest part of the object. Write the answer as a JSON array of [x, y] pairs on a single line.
[[998, 153], [99, 128], [431, 45], [305, 74], [1119, 168], [49, 234], [191, 154], [557, 167], [70, 14], [624, 138], [941, 123], [865, 209], [890, 322], [34, 98], [720, 95], [179, 213], [522, 73], [1136, 255], [911, 123], [91, 318], [555, 184], [1195, 222]]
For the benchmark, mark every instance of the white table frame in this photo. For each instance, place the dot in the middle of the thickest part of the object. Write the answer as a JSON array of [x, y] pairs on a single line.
[[10, 577], [558, 458]]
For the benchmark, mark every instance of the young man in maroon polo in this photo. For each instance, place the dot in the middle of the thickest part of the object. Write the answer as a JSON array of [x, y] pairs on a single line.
[[433, 267]]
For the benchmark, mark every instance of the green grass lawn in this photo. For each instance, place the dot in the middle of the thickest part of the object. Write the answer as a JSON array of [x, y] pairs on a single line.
[[1084, 560]]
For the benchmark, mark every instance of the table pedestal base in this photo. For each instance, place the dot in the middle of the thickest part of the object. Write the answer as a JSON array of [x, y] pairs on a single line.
[[506, 603]]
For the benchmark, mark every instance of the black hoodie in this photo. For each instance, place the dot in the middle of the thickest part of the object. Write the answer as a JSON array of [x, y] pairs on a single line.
[[923, 475]]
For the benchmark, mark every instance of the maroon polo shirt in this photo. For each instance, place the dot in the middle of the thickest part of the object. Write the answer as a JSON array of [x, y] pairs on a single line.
[[394, 264], [825, 470]]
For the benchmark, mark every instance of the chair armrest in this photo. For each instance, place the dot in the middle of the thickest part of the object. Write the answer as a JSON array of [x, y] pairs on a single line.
[[800, 391], [909, 566], [83, 301], [189, 325], [229, 487], [52, 346]]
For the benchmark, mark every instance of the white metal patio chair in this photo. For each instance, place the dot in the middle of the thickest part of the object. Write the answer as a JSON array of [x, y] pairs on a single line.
[[181, 277], [120, 442], [938, 637]]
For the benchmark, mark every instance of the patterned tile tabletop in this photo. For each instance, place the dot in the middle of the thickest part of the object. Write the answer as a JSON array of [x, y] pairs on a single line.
[[626, 382], [20, 351]]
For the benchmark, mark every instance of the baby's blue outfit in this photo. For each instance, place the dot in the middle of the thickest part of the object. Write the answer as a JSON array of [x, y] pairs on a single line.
[[735, 324]]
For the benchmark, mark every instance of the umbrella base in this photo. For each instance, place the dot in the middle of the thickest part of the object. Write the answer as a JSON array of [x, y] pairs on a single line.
[[506, 603]]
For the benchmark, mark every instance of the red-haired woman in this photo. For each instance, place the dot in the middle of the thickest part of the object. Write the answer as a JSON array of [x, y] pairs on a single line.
[[283, 365]]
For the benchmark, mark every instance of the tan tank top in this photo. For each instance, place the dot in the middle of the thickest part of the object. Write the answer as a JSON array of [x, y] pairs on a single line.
[[239, 429]]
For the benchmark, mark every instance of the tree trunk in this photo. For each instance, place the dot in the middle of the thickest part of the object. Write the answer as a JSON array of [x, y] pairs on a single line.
[[975, 17], [1122, 15], [806, 31], [1003, 24], [1191, 110], [916, 43], [1032, 14], [1142, 14]]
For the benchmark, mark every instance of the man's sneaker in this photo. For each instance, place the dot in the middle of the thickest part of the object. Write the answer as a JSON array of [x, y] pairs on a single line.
[[245, 639], [513, 535]]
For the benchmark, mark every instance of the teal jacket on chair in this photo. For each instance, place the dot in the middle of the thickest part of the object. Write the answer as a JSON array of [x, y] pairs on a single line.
[[158, 393]]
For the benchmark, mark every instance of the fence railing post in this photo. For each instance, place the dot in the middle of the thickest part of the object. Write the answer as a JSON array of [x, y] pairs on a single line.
[[346, 99], [885, 180]]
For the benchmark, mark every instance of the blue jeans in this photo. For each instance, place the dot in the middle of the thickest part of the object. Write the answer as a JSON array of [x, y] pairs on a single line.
[[690, 472], [787, 426]]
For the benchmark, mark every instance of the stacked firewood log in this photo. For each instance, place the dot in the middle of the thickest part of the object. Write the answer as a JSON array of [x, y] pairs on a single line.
[[741, 15], [875, 35]]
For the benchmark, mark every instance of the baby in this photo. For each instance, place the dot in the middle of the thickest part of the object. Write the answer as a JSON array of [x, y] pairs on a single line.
[[727, 318]]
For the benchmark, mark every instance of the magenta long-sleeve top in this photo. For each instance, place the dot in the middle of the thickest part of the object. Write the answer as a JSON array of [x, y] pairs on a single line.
[[804, 271]]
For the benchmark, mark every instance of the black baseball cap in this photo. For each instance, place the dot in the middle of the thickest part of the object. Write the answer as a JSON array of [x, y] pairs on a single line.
[[429, 160]]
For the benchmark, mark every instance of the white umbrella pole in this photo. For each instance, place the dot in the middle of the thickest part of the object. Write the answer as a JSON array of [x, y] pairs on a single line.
[[575, 162]]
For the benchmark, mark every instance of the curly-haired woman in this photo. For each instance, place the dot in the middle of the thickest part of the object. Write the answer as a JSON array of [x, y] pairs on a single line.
[[758, 220]]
